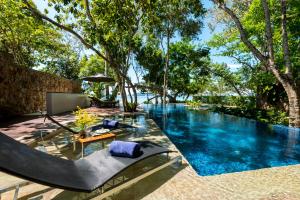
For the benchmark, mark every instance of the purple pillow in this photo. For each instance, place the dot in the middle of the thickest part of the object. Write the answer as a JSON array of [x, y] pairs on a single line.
[[125, 149]]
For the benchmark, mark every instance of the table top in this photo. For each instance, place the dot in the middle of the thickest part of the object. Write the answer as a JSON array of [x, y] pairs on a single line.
[[97, 138]]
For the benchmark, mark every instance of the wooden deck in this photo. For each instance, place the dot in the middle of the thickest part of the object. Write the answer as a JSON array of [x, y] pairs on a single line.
[[27, 128]]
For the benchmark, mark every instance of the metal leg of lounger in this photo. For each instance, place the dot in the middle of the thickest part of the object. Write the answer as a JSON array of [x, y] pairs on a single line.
[[74, 143], [16, 192], [38, 197], [178, 163], [15, 187], [82, 150], [99, 191], [136, 179]]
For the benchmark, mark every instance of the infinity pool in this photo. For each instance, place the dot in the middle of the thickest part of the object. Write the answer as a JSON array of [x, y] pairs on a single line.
[[216, 143]]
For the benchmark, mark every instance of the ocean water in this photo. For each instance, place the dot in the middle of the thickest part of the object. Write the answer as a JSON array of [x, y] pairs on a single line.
[[143, 97], [215, 143]]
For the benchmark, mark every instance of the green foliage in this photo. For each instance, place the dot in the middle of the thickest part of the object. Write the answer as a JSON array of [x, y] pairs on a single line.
[[187, 70], [181, 16], [150, 57], [114, 94], [240, 101], [131, 107], [66, 64], [271, 116], [119, 28], [147, 102], [94, 89], [167, 19], [193, 104], [29, 40], [254, 75], [92, 65]]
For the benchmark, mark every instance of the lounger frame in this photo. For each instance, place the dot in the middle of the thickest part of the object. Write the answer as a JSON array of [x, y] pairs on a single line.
[[124, 184], [15, 187], [83, 175]]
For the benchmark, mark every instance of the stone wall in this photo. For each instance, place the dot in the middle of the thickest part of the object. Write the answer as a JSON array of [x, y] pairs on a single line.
[[24, 90]]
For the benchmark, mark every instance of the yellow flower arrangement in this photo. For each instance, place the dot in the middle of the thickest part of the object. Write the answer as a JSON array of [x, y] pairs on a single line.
[[83, 119]]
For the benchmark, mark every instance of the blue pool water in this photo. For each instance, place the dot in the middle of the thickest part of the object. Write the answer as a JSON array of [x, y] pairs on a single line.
[[216, 143]]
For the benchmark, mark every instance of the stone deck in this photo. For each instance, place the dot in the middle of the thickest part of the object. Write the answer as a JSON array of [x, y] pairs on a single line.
[[183, 183]]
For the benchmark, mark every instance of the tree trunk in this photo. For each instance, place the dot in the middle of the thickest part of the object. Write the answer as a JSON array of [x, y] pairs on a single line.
[[276, 98], [147, 96], [129, 92], [134, 94], [172, 99], [285, 45], [228, 80], [285, 79], [123, 94], [166, 69], [106, 74], [187, 97], [114, 92], [269, 33], [125, 101], [294, 105]]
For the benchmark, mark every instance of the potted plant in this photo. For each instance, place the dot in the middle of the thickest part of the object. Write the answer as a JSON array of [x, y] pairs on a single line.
[[82, 120]]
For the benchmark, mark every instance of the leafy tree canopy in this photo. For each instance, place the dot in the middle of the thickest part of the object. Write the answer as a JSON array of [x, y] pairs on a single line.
[[31, 41]]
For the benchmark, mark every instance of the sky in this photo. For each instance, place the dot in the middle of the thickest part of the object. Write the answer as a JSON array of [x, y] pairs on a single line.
[[204, 36]]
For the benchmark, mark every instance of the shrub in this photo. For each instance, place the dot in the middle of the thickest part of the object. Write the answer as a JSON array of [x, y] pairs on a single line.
[[244, 101], [193, 104], [272, 115], [131, 107], [147, 102]]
